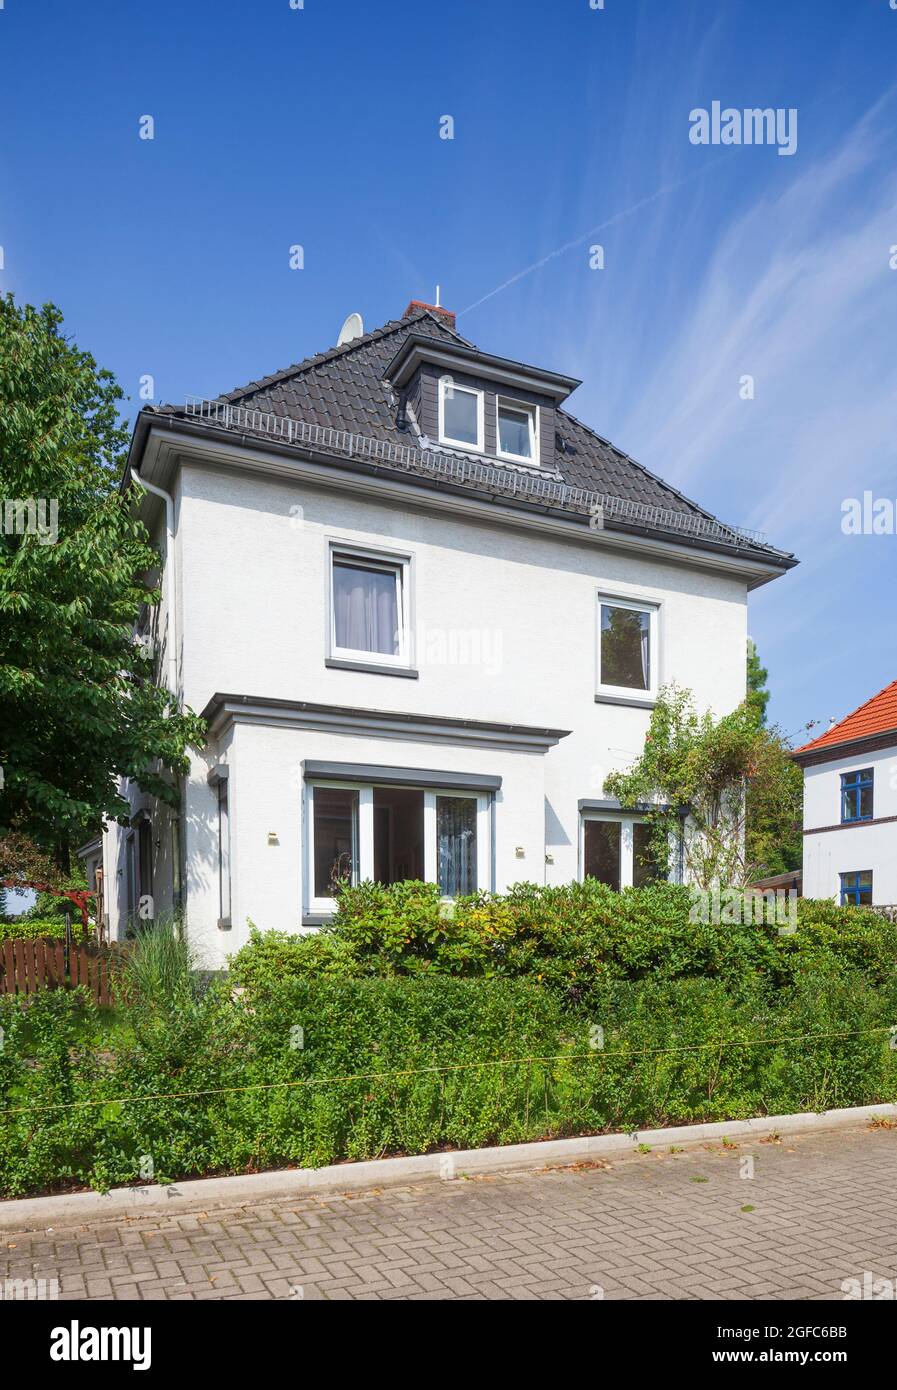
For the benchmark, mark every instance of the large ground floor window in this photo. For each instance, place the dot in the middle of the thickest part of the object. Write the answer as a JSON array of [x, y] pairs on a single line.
[[392, 833], [616, 849]]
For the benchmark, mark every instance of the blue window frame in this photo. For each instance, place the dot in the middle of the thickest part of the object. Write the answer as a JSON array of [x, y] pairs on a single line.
[[856, 888], [856, 795]]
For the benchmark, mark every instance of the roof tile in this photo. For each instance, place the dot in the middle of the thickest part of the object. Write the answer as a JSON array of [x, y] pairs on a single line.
[[876, 716]]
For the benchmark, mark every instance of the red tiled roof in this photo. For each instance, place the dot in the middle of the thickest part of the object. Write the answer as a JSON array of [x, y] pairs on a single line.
[[876, 716]]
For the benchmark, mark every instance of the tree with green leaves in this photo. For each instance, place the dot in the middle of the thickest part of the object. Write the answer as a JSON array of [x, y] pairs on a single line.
[[757, 676], [80, 703], [696, 777], [774, 809]]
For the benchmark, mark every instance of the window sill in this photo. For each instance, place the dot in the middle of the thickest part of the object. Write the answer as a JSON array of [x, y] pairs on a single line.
[[317, 919], [634, 701], [373, 668]]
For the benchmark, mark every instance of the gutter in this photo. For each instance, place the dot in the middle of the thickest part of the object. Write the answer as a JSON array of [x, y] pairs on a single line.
[[773, 562], [170, 597]]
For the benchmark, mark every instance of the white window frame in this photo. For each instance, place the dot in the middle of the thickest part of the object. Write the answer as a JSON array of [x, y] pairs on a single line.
[[630, 693], [449, 383], [627, 821], [324, 905], [522, 408], [383, 560]]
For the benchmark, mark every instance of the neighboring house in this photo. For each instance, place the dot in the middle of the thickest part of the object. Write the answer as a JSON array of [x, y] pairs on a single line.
[[850, 806], [424, 611]]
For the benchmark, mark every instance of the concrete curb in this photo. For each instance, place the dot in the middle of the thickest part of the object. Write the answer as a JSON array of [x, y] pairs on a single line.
[[32, 1213]]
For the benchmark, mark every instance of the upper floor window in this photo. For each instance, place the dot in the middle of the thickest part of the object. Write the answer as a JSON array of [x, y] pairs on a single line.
[[627, 648], [460, 415], [856, 888], [517, 437], [856, 795], [369, 606]]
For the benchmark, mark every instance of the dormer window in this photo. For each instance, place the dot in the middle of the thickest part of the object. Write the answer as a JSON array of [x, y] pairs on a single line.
[[517, 437], [460, 415]]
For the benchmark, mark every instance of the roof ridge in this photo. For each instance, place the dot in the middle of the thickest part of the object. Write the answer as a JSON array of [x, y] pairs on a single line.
[[318, 359]]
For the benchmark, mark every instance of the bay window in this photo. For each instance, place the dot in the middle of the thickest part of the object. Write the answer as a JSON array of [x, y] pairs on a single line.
[[389, 834]]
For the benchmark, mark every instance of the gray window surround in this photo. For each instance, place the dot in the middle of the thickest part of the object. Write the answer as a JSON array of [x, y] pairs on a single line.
[[219, 780], [334, 546], [313, 770], [632, 702], [340, 663]]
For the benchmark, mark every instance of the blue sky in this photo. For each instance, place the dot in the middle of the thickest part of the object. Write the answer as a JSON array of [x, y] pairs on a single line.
[[320, 127]]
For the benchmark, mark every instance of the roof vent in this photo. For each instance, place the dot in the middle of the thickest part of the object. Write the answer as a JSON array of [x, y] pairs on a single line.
[[352, 328]]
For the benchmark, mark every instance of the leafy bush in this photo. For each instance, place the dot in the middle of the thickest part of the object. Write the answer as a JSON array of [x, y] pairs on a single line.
[[29, 929], [547, 1012], [573, 937], [311, 1071]]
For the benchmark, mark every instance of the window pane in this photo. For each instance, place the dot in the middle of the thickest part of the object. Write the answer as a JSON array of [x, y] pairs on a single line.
[[601, 858], [865, 811], [366, 608], [625, 647], [645, 868], [460, 414], [514, 432], [336, 838], [398, 834], [456, 844]]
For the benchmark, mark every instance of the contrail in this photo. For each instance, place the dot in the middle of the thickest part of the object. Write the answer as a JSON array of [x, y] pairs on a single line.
[[601, 226]]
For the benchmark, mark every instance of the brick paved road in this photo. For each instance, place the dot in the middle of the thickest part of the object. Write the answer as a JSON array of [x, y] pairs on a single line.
[[655, 1226]]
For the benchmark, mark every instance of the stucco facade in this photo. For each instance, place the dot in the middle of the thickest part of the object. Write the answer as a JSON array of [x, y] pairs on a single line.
[[833, 848], [495, 709]]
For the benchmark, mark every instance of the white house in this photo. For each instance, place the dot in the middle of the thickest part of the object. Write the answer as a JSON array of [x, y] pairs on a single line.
[[424, 611], [850, 806]]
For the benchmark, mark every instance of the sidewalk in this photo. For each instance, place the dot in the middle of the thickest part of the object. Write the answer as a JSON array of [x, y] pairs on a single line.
[[659, 1225]]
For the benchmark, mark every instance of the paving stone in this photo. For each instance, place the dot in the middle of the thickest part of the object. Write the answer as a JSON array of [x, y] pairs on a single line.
[[825, 1209]]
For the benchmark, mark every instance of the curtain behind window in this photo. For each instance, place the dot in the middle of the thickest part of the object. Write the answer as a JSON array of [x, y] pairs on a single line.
[[366, 608]]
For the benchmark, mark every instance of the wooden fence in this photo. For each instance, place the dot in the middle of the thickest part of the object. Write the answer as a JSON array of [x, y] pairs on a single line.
[[29, 965]]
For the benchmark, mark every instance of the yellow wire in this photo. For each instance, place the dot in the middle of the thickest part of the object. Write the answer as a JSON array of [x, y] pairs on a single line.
[[598, 1054]]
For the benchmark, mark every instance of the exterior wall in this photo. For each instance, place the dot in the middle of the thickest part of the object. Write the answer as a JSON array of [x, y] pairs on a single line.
[[831, 852], [506, 627], [168, 829]]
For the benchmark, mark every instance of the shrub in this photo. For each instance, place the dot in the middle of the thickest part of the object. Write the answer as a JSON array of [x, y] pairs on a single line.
[[574, 938], [311, 1071], [32, 929]]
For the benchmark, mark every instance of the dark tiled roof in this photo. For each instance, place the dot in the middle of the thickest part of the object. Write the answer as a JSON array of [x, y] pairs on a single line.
[[344, 388]]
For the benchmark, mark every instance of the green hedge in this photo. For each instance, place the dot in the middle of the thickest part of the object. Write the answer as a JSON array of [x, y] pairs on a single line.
[[24, 929], [573, 937], [401, 1031], [396, 1066]]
